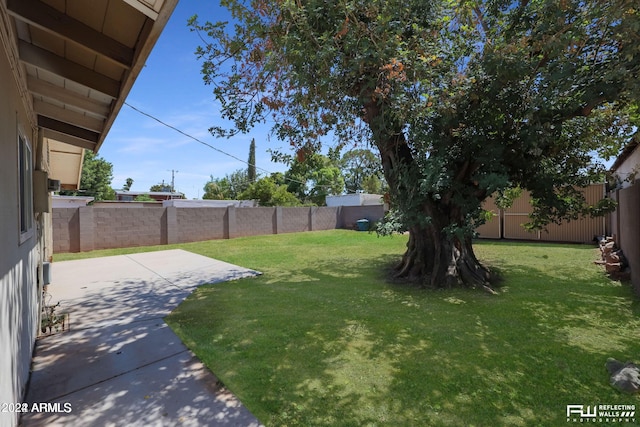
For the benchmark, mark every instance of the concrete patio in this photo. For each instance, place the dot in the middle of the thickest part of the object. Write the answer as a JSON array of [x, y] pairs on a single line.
[[120, 364]]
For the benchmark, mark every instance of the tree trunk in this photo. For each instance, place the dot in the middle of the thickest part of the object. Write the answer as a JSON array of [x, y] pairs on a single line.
[[440, 261], [433, 257]]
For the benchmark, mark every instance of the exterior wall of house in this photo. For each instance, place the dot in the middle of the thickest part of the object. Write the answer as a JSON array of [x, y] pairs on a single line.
[[624, 223], [629, 170], [20, 253], [627, 229]]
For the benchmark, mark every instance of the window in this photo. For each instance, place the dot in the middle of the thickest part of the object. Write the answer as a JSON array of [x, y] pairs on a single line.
[[25, 190]]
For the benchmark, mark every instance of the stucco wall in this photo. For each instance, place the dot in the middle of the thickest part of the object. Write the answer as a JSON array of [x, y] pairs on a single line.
[[627, 229], [629, 170], [18, 261]]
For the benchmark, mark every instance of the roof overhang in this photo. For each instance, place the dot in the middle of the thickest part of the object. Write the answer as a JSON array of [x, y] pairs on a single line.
[[626, 151], [78, 61]]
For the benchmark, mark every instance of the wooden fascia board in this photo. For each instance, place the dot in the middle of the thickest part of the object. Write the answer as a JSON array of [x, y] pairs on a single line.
[[49, 19], [48, 90], [68, 133], [68, 116], [150, 35], [139, 6], [42, 58]]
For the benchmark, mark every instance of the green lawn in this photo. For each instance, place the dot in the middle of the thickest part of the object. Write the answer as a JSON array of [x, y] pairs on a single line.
[[322, 339]]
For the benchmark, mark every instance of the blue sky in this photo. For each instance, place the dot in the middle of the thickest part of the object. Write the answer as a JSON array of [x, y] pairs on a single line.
[[170, 87]]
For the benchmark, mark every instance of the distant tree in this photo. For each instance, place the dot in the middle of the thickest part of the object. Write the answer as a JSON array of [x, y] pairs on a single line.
[[267, 193], [227, 188], [373, 184], [238, 181], [251, 170], [312, 177], [95, 179], [216, 189], [128, 184], [278, 178], [144, 198], [361, 168], [160, 188]]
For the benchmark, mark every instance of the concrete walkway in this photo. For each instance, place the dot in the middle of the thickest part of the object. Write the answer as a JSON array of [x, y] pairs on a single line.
[[120, 364]]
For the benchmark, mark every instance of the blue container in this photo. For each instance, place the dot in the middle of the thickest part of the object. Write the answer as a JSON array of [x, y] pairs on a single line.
[[363, 224]]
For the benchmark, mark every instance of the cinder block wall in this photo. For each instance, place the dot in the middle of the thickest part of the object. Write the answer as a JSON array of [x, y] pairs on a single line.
[[126, 227], [295, 220], [89, 228], [255, 222], [66, 230], [327, 218], [198, 224]]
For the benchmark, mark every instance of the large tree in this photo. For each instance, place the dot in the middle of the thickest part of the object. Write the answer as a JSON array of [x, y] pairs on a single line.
[[461, 99]]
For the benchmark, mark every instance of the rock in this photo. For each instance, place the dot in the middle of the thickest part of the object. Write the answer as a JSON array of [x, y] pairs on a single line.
[[624, 376], [613, 365]]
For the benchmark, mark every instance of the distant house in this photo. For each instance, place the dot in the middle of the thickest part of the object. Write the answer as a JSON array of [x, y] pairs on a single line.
[[130, 196], [355, 199], [624, 223], [66, 68]]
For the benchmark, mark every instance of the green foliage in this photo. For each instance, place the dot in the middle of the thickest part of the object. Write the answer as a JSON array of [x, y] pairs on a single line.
[[96, 177], [268, 193], [312, 177], [144, 198], [128, 184], [228, 188], [392, 223], [362, 171], [160, 188], [507, 196], [215, 189]]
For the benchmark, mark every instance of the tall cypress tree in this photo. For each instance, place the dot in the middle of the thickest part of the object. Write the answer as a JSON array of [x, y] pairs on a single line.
[[251, 172]]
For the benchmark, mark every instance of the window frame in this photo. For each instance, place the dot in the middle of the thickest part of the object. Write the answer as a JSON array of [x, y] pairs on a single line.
[[26, 220]]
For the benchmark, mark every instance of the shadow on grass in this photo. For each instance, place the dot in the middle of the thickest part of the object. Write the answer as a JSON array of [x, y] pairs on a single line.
[[330, 343]]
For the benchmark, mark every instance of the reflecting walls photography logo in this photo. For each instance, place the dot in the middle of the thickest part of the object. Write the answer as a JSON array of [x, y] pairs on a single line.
[[601, 413]]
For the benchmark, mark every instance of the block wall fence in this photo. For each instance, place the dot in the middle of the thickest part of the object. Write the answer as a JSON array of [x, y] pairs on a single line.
[[90, 228]]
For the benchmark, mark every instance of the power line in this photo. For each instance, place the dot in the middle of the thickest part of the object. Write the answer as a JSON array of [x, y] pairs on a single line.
[[206, 144]]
